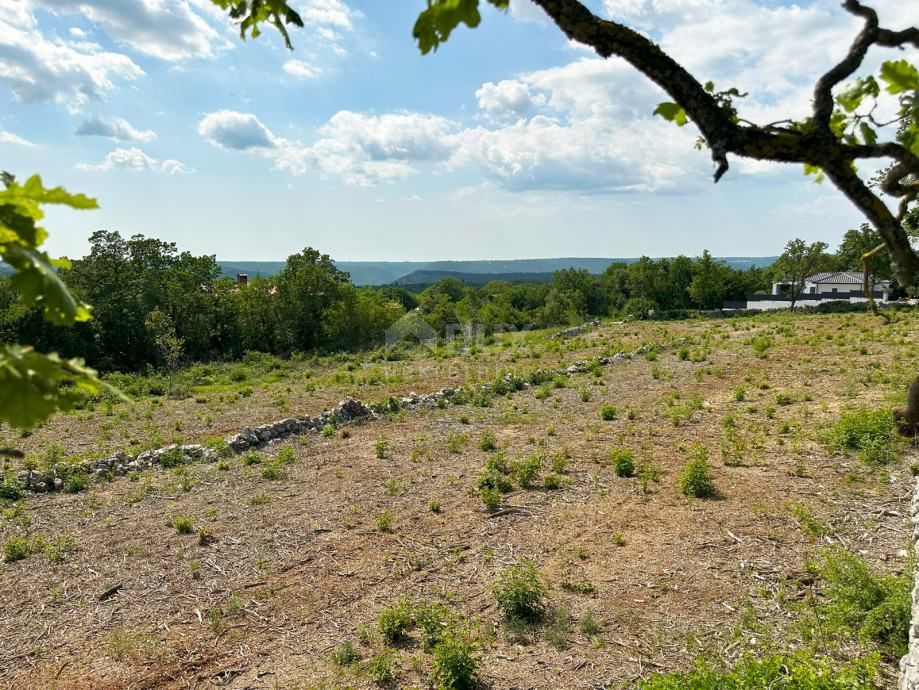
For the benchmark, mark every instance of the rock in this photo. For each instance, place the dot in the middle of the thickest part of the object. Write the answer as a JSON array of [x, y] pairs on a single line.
[[22, 479], [58, 484], [350, 409], [39, 487]]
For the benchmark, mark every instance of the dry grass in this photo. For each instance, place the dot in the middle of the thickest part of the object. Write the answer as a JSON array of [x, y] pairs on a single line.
[[293, 567]]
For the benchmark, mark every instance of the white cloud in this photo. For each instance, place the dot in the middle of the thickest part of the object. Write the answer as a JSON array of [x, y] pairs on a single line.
[[65, 72], [136, 160], [329, 13], [115, 128], [10, 138], [301, 69], [235, 131], [508, 97], [165, 29], [77, 32], [528, 11]]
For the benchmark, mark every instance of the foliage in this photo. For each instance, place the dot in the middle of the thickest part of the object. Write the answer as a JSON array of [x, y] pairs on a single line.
[[798, 261], [869, 606], [695, 479], [788, 671], [520, 592], [34, 385], [455, 664], [435, 24], [623, 462], [395, 621], [869, 432]]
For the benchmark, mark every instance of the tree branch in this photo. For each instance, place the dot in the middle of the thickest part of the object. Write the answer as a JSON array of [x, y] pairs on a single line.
[[815, 145]]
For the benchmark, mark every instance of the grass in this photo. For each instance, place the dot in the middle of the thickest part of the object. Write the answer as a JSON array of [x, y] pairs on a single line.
[[395, 621]]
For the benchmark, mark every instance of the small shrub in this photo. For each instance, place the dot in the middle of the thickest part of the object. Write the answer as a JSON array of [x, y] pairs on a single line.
[[58, 548], [868, 431], [252, 457], [431, 619], [219, 445], [183, 525], [174, 457], [618, 539], [75, 482], [286, 455], [695, 479], [272, 471], [384, 521], [395, 621], [456, 442], [623, 462], [434, 505], [552, 482], [345, 655], [520, 593], [205, 537], [559, 463], [526, 470], [383, 667], [381, 447], [558, 628], [491, 497], [488, 442], [328, 431], [455, 664], [586, 395], [608, 413], [17, 549], [589, 625]]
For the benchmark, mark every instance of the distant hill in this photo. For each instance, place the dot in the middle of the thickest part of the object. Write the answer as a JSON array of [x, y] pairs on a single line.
[[471, 272], [423, 278], [399, 272]]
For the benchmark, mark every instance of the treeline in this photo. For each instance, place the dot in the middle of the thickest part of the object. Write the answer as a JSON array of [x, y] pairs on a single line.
[[156, 307]]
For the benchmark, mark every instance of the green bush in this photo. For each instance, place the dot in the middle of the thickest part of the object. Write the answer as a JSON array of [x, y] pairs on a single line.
[[797, 672], [219, 445], [869, 432], [252, 457], [491, 497], [526, 470], [431, 619], [286, 455], [695, 479], [520, 593], [455, 664], [383, 667], [395, 621], [870, 606], [174, 457], [488, 442], [608, 413], [345, 655], [623, 462], [75, 482], [183, 525]]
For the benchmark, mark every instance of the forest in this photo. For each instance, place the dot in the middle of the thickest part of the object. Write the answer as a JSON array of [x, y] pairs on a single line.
[[156, 307]]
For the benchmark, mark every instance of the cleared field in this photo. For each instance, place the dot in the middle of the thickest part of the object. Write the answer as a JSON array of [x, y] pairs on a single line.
[[254, 572]]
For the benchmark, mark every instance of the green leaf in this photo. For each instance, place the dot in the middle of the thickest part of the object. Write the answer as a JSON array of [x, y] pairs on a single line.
[[672, 113], [900, 76], [852, 97], [34, 385], [251, 13], [869, 136], [816, 171], [436, 23]]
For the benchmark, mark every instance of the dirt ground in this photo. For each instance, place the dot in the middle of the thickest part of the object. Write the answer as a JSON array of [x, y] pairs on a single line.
[[293, 567]]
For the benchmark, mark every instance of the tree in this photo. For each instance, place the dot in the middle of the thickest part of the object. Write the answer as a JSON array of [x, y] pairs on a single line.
[[856, 251], [799, 261], [707, 287], [307, 286]]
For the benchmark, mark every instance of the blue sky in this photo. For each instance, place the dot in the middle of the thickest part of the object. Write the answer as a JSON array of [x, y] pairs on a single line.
[[509, 142]]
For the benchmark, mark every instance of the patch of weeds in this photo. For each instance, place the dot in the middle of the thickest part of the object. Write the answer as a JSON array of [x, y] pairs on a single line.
[[286, 455], [695, 479], [76, 482], [395, 621], [219, 445], [807, 522], [608, 413], [456, 442], [801, 671], [394, 487], [431, 619], [205, 537], [434, 505], [18, 548], [57, 549], [869, 432], [872, 607], [345, 655], [384, 522], [560, 462], [488, 442], [520, 592], [260, 500], [384, 667], [526, 470], [589, 625], [491, 497], [623, 462], [552, 482], [381, 447], [455, 664], [252, 457], [272, 471], [558, 628], [182, 524]]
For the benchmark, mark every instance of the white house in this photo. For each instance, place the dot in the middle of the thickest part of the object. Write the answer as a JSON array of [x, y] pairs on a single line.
[[820, 288]]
